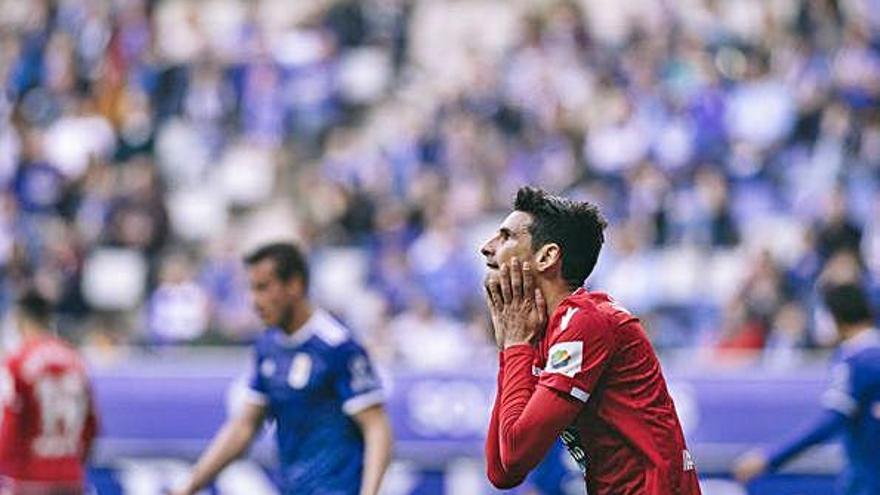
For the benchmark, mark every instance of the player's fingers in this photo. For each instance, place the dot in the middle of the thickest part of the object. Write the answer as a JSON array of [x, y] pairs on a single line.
[[493, 288], [506, 291], [516, 280], [528, 280], [540, 304], [488, 296], [490, 303]]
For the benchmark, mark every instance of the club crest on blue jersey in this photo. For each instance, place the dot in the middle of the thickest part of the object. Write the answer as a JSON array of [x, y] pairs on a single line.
[[300, 370]]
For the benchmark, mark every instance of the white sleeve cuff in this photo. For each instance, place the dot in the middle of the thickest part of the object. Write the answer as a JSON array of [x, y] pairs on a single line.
[[254, 397], [360, 402], [580, 394], [840, 402]]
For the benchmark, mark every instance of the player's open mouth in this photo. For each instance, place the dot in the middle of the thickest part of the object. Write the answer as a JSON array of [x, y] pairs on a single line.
[[492, 266]]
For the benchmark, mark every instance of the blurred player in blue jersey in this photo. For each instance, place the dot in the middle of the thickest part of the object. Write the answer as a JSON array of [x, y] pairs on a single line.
[[852, 403], [315, 381]]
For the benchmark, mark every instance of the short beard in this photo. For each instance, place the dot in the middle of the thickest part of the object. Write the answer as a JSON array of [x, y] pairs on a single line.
[[286, 317]]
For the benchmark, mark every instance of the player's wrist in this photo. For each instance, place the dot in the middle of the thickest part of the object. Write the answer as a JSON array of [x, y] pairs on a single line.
[[188, 489], [192, 485], [510, 344]]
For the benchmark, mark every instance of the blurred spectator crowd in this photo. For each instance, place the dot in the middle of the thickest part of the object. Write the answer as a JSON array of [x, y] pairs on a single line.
[[734, 146]]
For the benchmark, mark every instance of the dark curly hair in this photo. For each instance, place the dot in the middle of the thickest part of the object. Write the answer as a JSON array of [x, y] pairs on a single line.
[[577, 227], [847, 303], [288, 258]]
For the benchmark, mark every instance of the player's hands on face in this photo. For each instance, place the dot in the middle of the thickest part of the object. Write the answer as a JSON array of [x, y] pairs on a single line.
[[517, 306], [492, 284], [749, 466]]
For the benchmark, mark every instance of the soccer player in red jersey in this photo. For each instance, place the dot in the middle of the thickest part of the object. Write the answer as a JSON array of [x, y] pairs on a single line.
[[573, 363], [48, 418]]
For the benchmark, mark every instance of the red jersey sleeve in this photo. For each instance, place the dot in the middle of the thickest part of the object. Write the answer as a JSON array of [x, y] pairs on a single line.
[[525, 420], [580, 345], [495, 470]]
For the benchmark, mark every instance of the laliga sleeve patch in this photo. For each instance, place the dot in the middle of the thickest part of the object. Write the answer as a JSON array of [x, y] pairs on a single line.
[[362, 377], [565, 358], [839, 396]]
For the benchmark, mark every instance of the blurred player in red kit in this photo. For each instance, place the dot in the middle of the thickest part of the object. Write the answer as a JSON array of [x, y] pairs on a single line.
[[48, 417], [573, 363]]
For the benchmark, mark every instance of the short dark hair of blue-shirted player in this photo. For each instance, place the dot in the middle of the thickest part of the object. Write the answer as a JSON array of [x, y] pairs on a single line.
[[288, 260], [847, 304]]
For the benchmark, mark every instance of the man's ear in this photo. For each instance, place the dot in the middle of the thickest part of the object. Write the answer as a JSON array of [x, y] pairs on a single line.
[[547, 256], [296, 287]]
